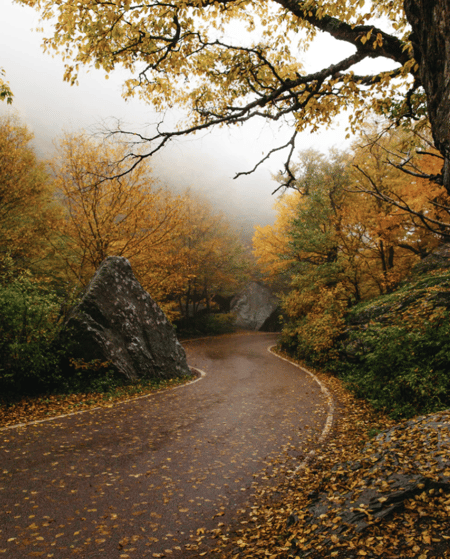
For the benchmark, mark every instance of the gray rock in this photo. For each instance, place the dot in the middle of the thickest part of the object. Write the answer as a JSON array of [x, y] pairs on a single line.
[[439, 258], [256, 308], [117, 321]]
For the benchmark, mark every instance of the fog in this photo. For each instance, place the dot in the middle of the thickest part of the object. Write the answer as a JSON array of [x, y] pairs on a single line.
[[206, 163]]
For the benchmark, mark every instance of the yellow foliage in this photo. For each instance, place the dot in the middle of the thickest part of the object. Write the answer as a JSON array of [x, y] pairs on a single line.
[[111, 213], [180, 53], [270, 243], [27, 208], [336, 216], [316, 319], [208, 257], [352, 230], [181, 252], [5, 91]]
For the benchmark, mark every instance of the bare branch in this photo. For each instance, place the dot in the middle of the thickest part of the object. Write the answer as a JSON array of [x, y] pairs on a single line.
[[291, 143], [438, 155], [402, 167]]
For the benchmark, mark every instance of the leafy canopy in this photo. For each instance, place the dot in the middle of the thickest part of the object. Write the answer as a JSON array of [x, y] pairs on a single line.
[[5, 91], [28, 210], [226, 62], [355, 218], [180, 250]]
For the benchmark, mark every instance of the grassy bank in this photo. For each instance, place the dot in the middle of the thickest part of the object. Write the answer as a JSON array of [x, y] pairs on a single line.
[[394, 351]]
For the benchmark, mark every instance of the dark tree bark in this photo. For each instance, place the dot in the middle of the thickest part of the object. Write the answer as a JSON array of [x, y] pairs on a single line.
[[430, 21]]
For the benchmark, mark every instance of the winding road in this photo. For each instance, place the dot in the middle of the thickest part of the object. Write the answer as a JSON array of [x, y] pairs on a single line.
[[148, 477]]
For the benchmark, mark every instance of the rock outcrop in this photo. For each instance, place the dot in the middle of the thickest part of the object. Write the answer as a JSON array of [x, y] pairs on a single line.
[[256, 308], [438, 259], [410, 459], [118, 322]]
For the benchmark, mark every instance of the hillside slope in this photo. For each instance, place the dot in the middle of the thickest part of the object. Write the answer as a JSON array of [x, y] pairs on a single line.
[[395, 351]]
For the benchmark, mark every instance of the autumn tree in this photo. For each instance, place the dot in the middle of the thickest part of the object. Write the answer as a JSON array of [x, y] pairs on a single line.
[[28, 210], [310, 235], [338, 244], [180, 52], [209, 256], [5, 91], [334, 231], [398, 169], [271, 242], [126, 216]]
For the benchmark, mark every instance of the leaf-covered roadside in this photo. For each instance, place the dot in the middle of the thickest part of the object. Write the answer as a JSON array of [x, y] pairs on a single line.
[[36, 408], [279, 526]]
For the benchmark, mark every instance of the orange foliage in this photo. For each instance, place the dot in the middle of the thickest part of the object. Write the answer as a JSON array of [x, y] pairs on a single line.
[[180, 251], [27, 208], [353, 229], [333, 217], [270, 243], [208, 255], [108, 214]]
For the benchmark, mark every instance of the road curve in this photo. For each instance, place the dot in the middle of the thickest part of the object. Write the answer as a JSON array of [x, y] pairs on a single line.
[[145, 478]]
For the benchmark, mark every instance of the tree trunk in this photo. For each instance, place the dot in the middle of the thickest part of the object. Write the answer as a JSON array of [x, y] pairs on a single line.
[[430, 21], [391, 255]]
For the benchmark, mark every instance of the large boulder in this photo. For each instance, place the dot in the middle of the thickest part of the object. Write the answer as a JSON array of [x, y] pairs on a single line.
[[256, 308], [118, 322]]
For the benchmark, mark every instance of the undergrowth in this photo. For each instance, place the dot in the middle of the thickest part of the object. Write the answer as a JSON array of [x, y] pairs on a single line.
[[213, 324], [35, 359], [393, 351], [400, 369]]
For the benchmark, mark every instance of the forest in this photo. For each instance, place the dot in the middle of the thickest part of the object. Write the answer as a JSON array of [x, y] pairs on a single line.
[[350, 249], [349, 232], [59, 222], [352, 227]]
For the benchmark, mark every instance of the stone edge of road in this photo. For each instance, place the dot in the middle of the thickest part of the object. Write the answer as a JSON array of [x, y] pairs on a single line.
[[330, 416], [17, 425]]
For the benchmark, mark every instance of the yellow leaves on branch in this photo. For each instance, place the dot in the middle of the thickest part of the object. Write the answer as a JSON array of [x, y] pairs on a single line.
[[208, 257], [27, 208], [178, 248], [353, 229], [5, 91], [270, 243], [186, 52], [109, 213], [64, 226], [319, 315]]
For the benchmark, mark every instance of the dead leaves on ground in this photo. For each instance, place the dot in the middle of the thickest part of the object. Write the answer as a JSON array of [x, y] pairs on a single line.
[[280, 526], [277, 525], [44, 407]]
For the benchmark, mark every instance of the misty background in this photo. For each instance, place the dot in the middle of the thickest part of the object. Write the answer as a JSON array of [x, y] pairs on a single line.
[[205, 163]]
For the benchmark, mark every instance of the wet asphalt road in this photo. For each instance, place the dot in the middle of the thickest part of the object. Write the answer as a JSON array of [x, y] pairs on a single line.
[[145, 478]]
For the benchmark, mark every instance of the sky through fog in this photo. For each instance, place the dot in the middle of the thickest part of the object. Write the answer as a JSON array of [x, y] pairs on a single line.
[[205, 163]]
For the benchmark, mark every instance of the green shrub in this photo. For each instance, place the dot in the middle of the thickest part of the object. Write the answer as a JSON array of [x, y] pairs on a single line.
[[33, 360], [207, 325], [29, 325], [403, 370]]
